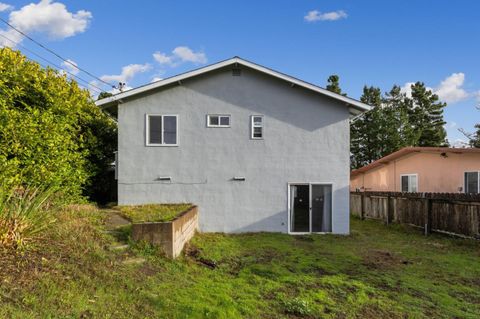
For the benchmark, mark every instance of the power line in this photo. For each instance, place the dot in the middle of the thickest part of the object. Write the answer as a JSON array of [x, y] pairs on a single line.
[[96, 88], [56, 54], [45, 66]]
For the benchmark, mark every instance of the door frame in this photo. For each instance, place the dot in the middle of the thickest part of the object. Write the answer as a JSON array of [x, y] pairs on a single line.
[[289, 184]]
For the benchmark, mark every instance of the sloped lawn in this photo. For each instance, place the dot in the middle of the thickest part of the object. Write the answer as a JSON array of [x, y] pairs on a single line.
[[377, 272]]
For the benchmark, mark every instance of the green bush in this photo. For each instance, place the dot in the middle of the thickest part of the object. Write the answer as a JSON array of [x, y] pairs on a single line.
[[24, 215], [51, 132], [297, 306]]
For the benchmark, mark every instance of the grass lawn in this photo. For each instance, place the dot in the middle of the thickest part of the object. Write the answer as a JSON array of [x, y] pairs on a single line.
[[152, 212], [377, 272]]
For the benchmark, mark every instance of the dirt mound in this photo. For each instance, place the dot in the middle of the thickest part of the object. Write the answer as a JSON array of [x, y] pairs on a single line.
[[379, 259]]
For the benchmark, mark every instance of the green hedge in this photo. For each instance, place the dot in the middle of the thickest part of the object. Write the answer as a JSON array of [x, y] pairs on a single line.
[[51, 132]]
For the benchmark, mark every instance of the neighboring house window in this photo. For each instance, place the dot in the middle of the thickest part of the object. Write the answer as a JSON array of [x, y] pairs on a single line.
[[472, 182], [257, 127], [161, 130], [409, 183], [218, 120]]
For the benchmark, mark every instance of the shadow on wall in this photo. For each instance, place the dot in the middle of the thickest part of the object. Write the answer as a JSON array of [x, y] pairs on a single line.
[[278, 222], [271, 223], [273, 97]]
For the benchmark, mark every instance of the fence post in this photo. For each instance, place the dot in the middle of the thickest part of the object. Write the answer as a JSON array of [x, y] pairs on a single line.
[[362, 210], [428, 217], [387, 217]]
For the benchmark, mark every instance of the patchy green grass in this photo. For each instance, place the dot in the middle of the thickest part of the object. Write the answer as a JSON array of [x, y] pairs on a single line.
[[153, 212], [376, 272]]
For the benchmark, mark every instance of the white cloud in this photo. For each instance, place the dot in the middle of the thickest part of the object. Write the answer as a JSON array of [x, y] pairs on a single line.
[[5, 7], [156, 78], [180, 55], [50, 18], [315, 15], [162, 58], [69, 67], [9, 37], [128, 72], [185, 54], [450, 89], [460, 143], [407, 88]]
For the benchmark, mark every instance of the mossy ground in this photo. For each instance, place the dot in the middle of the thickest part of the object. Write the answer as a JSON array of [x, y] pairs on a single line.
[[376, 272], [152, 212]]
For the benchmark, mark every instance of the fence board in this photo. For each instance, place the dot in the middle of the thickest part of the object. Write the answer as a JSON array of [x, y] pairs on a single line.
[[454, 213]]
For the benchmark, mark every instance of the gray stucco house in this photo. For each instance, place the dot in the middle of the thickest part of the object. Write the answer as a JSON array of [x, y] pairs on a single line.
[[255, 149]]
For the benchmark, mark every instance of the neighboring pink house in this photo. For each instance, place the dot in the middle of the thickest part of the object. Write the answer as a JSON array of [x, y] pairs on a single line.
[[421, 169]]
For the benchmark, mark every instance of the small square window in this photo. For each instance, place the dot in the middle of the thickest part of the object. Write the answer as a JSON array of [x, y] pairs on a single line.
[[213, 120], [224, 121], [218, 120]]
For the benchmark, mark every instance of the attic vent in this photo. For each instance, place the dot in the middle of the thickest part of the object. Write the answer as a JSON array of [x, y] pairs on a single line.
[[236, 72]]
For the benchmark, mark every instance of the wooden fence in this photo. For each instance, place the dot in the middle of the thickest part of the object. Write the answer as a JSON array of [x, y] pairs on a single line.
[[457, 214]]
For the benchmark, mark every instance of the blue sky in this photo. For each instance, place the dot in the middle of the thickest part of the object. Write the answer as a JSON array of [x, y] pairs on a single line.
[[377, 43]]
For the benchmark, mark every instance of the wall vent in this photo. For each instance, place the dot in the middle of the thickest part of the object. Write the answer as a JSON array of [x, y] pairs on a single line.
[[236, 72]]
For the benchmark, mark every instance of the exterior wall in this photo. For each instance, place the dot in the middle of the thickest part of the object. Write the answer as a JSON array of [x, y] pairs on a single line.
[[435, 173], [306, 139]]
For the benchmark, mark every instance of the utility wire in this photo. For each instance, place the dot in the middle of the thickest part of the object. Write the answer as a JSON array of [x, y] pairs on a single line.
[[96, 88], [45, 66], [56, 54]]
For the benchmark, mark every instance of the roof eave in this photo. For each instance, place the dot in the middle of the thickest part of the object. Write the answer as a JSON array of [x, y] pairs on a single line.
[[355, 107]]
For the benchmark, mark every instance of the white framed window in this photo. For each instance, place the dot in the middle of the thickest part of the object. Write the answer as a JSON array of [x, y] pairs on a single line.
[[472, 182], [256, 127], [161, 130], [218, 120], [409, 183]]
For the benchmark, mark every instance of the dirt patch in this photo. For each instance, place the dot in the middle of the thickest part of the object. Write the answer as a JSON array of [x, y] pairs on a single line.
[[319, 271], [374, 311], [379, 259], [195, 254], [237, 263]]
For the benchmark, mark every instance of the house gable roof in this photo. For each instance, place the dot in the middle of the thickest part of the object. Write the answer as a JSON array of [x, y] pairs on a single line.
[[411, 150], [356, 107]]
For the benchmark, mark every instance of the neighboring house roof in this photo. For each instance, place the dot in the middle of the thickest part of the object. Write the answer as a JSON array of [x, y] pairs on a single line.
[[409, 150], [356, 107]]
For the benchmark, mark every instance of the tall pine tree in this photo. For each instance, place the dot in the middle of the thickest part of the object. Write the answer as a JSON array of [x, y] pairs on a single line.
[[333, 84], [427, 117]]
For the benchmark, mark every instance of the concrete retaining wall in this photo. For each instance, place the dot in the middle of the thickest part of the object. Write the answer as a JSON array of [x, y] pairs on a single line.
[[170, 236]]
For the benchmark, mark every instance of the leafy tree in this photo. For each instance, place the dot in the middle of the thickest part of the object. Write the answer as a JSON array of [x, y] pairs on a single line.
[[51, 132], [103, 95], [475, 141], [334, 84]]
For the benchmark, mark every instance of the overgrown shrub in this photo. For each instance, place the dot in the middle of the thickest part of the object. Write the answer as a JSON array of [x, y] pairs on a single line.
[[51, 132], [24, 215]]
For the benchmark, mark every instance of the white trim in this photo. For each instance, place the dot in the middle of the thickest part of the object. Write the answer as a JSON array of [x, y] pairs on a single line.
[[289, 184], [147, 131], [253, 126], [465, 184], [355, 107], [219, 116], [409, 186]]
